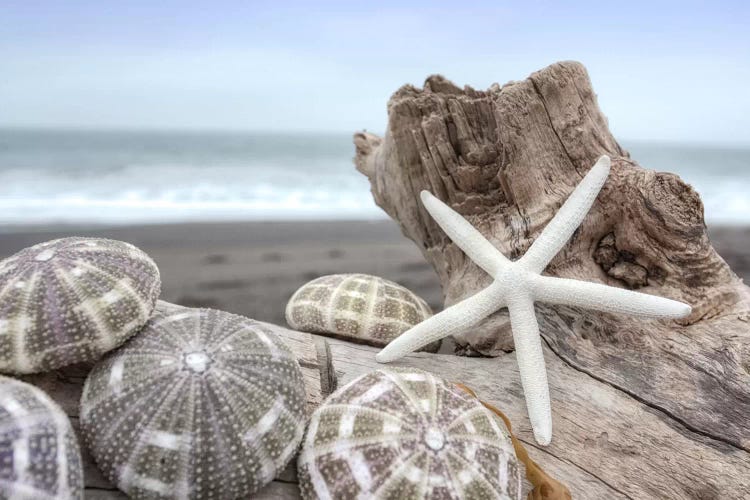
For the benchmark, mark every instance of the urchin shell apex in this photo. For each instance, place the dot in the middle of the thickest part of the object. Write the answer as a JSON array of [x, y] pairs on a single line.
[[200, 404], [358, 307], [407, 434], [71, 300], [40, 455]]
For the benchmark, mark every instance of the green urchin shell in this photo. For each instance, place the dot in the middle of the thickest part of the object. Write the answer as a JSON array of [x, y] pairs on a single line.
[[71, 300], [200, 404], [39, 456], [407, 434], [359, 307]]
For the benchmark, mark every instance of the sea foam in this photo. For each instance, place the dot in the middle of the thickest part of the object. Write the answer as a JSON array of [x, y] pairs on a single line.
[[150, 177]]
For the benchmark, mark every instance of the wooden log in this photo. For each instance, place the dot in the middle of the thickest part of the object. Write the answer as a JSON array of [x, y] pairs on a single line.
[[606, 444], [506, 159], [66, 385]]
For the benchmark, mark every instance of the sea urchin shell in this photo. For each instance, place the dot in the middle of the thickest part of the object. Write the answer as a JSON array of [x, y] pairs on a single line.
[[357, 307], [39, 457], [404, 433], [71, 300], [200, 404]]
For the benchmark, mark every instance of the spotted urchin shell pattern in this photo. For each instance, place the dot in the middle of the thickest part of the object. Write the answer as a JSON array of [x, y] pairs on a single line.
[[71, 300], [39, 456], [200, 404], [407, 434], [359, 307]]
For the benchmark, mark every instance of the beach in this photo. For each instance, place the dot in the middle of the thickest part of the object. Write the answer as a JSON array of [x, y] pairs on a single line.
[[252, 268], [569, 200]]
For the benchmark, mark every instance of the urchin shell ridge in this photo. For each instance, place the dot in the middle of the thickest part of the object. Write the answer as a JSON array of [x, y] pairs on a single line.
[[200, 404], [71, 300], [40, 455]]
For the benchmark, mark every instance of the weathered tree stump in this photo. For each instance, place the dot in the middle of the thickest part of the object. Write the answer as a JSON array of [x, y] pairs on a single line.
[[506, 159]]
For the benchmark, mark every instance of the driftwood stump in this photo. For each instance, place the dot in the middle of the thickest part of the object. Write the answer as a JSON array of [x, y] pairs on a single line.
[[506, 159]]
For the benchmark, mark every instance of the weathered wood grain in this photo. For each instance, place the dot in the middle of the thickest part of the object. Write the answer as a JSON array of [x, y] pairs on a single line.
[[65, 387], [506, 159]]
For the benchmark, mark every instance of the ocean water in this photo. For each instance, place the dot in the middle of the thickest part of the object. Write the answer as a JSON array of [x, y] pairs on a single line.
[[49, 177]]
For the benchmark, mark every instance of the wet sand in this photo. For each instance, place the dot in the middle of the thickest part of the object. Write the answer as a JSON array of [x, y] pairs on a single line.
[[253, 268]]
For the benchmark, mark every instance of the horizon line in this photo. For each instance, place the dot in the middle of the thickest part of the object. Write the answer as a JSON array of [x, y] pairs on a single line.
[[310, 132]]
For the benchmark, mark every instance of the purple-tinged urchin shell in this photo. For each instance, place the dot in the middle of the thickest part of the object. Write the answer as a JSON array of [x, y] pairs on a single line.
[[359, 307], [39, 456], [200, 404], [71, 300], [407, 434]]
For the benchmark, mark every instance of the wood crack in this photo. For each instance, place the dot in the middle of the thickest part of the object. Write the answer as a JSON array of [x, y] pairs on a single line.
[[529, 444], [671, 416], [552, 126]]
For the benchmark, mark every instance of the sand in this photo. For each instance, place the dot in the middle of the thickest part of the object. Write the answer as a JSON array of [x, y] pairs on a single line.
[[253, 268]]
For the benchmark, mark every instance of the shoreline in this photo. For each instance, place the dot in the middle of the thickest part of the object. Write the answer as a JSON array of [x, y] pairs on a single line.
[[252, 268]]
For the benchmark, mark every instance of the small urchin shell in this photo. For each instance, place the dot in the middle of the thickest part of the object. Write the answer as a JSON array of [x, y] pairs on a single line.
[[71, 300], [407, 434], [39, 456], [358, 307], [200, 404]]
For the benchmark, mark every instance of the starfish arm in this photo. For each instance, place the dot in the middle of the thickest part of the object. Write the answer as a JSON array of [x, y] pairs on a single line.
[[531, 366], [452, 320], [606, 298], [559, 230], [464, 235]]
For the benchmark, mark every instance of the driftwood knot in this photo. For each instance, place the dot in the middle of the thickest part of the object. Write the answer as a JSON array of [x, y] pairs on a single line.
[[676, 204]]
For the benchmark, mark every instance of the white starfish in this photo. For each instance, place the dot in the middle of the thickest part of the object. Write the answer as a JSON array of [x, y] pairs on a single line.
[[517, 285]]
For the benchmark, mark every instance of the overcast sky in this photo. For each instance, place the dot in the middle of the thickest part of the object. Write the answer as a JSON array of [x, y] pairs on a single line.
[[663, 70]]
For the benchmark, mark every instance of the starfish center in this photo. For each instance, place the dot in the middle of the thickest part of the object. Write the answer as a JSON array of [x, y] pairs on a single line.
[[514, 276]]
